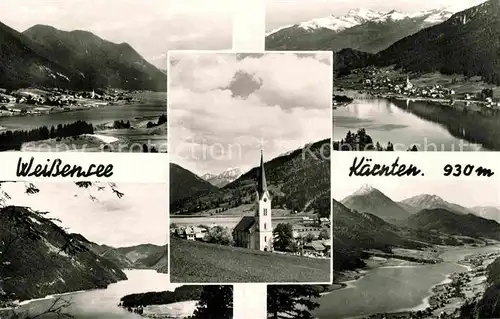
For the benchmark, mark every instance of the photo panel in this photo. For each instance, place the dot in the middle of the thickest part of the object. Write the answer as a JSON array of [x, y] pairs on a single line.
[[414, 235], [91, 76], [80, 249], [249, 147], [408, 75]]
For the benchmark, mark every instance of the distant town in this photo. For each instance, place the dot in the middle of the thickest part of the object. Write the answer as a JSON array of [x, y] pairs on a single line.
[[387, 83], [44, 101]]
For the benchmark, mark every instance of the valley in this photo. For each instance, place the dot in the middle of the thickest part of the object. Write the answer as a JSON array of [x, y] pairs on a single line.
[[60, 77], [205, 221], [47, 269], [427, 80], [432, 256]]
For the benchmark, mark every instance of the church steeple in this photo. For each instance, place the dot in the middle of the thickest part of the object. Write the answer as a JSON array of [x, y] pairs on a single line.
[[262, 184]]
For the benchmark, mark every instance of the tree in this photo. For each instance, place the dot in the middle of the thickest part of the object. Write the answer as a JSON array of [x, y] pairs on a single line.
[[55, 310], [324, 234], [216, 302], [16, 222], [283, 237], [309, 237], [295, 301], [389, 147], [219, 235]]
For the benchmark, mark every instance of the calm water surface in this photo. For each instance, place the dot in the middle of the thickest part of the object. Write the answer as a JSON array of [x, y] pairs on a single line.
[[399, 124], [152, 104], [389, 289], [103, 303]]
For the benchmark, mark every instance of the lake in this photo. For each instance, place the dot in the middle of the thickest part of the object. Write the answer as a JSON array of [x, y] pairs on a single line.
[[150, 107], [407, 123], [103, 303], [152, 104], [393, 288]]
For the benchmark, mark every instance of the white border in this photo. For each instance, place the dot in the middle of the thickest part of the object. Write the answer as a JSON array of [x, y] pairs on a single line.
[[249, 25], [232, 52]]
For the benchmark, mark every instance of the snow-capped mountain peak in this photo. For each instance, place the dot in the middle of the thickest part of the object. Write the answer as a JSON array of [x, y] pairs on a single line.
[[425, 200], [233, 173], [208, 176], [355, 17], [364, 190], [352, 18], [224, 178]]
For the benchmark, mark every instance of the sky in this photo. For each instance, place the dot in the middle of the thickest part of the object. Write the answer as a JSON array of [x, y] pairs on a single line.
[[479, 192], [151, 27], [139, 217], [286, 12], [224, 106]]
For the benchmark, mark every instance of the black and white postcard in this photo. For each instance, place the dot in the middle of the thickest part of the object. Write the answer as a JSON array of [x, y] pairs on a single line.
[[91, 75], [249, 146], [409, 75]]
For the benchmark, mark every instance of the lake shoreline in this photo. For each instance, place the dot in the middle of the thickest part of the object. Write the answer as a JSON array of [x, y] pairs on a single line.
[[454, 127], [85, 300], [445, 296], [174, 310]]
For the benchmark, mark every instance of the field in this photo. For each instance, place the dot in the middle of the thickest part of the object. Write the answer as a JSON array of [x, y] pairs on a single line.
[[192, 262]]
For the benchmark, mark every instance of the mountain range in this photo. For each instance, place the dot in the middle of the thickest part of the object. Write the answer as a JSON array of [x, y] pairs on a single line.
[[224, 178], [39, 258], [369, 199], [298, 181], [369, 220], [465, 43], [45, 56], [359, 29]]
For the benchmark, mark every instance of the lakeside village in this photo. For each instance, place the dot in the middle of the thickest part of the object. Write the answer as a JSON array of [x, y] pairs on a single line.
[[309, 237], [51, 100], [452, 298], [384, 84]]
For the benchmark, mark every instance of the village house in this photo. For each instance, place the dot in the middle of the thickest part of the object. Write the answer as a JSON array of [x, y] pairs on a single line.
[[302, 230], [318, 248], [190, 232]]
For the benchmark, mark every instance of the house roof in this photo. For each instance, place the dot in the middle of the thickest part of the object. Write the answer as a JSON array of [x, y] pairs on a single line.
[[245, 223], [316, 245]]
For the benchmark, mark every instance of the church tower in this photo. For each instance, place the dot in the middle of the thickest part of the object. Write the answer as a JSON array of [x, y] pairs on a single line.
[[263, 216]]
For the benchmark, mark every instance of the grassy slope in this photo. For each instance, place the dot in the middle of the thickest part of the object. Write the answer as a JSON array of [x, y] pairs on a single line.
[[200, 262]]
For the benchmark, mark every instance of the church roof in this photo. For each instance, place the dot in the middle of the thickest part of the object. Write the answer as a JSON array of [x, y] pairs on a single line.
[[262, 184], [245, 223]]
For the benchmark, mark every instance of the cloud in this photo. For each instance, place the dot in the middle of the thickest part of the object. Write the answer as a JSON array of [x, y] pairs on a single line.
[[223, 106]]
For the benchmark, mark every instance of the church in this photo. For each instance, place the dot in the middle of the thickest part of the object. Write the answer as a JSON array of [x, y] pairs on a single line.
[[256, 232]]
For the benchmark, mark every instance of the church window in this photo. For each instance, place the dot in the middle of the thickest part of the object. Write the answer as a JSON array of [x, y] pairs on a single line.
[[265, 238], [265, 211], [265, 226]]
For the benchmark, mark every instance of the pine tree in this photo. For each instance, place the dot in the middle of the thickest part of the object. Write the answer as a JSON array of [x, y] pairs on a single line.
[[296, 301], [216, 302]]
